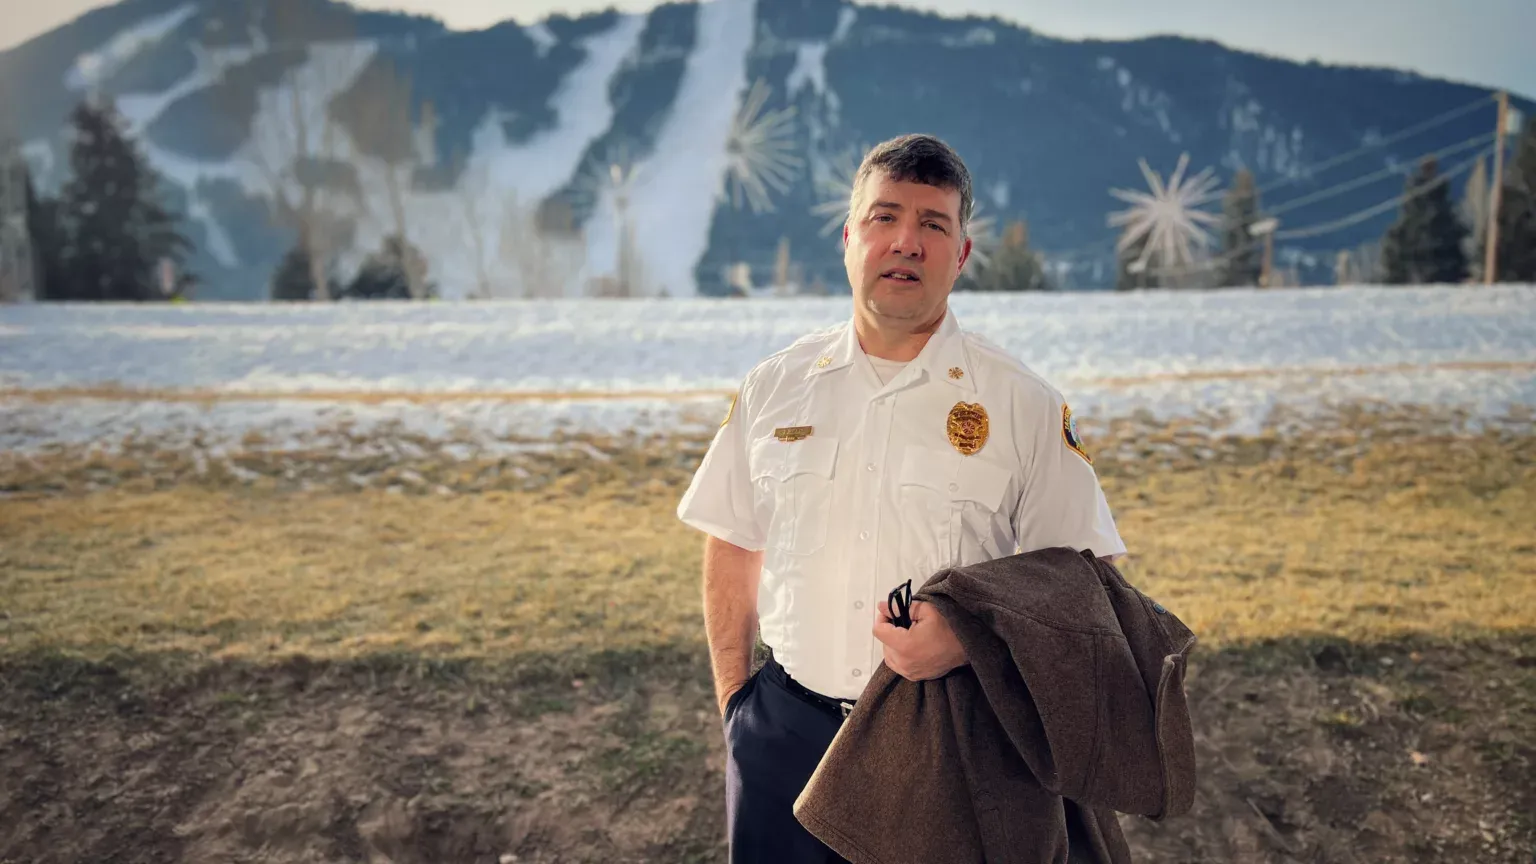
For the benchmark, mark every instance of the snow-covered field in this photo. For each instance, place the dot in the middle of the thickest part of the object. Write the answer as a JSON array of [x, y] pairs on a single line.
[[476, 372]]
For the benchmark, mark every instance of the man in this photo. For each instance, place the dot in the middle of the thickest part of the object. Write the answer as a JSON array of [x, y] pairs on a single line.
[[858, 458]]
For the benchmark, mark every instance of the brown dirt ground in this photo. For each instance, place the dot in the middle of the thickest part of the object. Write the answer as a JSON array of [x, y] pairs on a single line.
[[198, 669]]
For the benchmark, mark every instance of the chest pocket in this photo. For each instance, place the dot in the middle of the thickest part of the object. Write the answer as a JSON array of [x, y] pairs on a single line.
[[795, 477], [954, 512]]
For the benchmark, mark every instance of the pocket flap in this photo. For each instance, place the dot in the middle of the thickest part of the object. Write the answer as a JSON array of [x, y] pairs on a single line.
[[782, 460], [955, 476]]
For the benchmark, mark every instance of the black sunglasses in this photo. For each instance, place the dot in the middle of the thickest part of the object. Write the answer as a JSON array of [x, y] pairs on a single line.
[[901, 604]]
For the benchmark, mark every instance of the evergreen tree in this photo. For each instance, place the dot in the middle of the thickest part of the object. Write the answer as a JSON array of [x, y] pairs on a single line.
[[1013, 266], [1515, 254], [1242, 253], [117, 229], [1425, 244], [389, 273]]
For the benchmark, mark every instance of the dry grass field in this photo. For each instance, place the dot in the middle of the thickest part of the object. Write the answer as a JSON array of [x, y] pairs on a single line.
[[503, 661]]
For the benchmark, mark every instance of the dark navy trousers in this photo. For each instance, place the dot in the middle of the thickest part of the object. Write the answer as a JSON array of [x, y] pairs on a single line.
[[774, 740]]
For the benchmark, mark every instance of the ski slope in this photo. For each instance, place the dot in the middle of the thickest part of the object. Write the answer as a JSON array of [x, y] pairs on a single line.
[[490, 371]]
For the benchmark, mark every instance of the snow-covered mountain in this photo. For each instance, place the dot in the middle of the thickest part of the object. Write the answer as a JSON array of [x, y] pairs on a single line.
[[690, 147]]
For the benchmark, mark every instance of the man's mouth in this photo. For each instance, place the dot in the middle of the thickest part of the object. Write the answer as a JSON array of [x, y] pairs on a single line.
[[900, 274]]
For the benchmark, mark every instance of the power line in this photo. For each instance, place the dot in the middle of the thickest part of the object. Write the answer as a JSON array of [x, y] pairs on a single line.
[[1324, 227], [1367, 179], [1375, 145], [1362, 215]]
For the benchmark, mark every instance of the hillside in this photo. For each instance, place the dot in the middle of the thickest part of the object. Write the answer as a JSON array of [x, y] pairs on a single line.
[[491, 149]]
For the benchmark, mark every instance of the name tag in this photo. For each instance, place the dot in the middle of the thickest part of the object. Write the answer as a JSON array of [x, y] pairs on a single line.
[[792, 433]]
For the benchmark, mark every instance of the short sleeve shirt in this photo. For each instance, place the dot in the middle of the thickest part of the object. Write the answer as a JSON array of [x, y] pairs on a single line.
[[851, 487]]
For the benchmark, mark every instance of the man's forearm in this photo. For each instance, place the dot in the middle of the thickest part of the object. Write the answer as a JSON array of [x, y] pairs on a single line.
[[730, 612]]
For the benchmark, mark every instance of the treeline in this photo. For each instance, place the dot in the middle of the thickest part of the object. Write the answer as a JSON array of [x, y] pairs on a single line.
[[112, 233], [1434, 240]]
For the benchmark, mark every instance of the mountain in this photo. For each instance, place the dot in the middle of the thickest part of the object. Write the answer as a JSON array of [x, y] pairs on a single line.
[[648, 153]]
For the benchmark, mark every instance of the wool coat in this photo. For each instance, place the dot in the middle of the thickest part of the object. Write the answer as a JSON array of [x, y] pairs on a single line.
[[1071, 709]]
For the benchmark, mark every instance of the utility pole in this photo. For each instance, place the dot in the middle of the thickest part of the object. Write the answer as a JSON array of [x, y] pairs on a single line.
[[1490, 253]]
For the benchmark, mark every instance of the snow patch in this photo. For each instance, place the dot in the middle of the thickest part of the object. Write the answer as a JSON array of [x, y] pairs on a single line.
[[973, 37], [93, 67], [1106, 64], [675, 192], [810, 68], [1313, 342], [845, 18], [999, 194], [40, 162], [543, 40]]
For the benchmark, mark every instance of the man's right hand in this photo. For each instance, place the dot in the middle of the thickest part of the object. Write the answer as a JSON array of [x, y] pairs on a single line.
[[725, 698]]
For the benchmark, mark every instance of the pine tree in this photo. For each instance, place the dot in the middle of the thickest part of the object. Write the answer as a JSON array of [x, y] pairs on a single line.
[[1425, 244], [117, 230], [1516, 252], [1242, 254], [1013, 266]]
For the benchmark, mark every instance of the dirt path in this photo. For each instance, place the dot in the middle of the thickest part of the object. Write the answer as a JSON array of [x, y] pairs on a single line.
[[1323, 752]]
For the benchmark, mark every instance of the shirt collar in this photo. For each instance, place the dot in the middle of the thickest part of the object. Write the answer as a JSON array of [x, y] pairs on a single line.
[[943, 358]]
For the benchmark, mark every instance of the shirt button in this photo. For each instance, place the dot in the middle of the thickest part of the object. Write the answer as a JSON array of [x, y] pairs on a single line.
[[858, 604], [857, 673], [954, 487], [863, 535], [869, 467]]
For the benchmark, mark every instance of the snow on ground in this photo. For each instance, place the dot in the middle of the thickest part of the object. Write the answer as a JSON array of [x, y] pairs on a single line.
[[545, 366]]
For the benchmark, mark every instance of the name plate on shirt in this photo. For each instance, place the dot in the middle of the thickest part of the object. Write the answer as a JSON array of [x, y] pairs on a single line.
[[792, 433]]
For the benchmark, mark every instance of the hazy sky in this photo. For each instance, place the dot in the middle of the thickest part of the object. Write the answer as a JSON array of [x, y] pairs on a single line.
[[1486, 42]]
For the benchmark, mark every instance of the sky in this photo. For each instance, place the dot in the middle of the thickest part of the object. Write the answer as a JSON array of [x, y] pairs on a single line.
[[1483, 42]]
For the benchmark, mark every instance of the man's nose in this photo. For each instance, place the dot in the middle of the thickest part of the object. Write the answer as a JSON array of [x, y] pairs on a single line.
[[908, 242]]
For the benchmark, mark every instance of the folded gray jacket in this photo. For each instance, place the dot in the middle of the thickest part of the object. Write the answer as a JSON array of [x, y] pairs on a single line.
[[1071, 708]]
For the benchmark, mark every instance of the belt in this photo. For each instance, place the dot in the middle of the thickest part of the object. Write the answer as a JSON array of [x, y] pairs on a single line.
[[837, 707]]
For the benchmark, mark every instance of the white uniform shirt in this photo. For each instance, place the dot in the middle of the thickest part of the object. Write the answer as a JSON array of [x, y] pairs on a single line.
[[876, 493]]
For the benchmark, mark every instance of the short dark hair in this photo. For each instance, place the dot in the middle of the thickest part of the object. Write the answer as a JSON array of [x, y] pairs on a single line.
[[919, 159]]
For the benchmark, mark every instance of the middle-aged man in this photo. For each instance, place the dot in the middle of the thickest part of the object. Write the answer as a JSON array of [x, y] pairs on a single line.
[[858, 458]]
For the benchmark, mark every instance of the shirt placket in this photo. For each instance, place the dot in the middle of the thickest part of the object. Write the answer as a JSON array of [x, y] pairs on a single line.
[[866, 561]]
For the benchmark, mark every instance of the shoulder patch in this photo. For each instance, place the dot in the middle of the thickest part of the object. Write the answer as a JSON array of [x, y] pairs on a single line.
[[1069, 433]]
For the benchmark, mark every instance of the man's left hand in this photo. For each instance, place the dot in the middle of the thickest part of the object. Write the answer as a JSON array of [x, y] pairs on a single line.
[[926, 650]]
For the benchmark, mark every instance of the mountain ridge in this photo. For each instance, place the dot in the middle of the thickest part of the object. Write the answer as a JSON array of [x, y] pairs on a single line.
[[534, 112]]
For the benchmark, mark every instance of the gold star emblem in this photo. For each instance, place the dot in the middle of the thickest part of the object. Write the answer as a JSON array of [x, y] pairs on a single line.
[[956, 372], [823, 362]]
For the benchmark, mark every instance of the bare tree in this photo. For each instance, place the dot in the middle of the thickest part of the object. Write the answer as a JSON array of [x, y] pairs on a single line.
[[378, 112], [297, 147]]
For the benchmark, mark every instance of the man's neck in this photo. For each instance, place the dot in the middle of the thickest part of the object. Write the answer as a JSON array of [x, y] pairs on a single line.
[[899, 345]]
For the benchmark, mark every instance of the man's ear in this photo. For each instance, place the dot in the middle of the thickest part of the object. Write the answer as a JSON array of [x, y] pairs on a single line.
[[845, 233], [965, 255]]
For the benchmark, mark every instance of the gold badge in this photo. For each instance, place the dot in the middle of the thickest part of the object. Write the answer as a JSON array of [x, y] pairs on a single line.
[[823, 362], [956, 373], [792, 433], [967, 427], [1069, 433], [729, 411]]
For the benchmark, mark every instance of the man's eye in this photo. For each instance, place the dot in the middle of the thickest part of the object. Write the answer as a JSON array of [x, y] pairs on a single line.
[[937, 226]]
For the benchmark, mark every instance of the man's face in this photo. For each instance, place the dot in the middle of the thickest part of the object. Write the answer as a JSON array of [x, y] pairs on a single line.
[[903, 250]]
